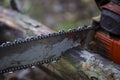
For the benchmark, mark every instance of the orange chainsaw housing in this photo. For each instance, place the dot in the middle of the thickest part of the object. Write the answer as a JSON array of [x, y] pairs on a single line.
[[108, 47]]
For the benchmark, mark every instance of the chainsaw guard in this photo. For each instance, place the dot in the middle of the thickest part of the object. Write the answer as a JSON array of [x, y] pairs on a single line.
[[110, 20]]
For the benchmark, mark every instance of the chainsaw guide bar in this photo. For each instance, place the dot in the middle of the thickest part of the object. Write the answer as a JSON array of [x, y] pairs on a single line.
[[42, 49]]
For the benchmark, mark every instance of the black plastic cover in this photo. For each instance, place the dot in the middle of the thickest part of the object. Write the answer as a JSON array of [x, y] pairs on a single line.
[[110, 21]]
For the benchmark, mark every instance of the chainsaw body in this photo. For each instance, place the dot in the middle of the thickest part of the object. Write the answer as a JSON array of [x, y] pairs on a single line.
[[107, 40], [108, 47]]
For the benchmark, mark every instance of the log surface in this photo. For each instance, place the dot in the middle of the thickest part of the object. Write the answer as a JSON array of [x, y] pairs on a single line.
[[14, 25], [93, 65]]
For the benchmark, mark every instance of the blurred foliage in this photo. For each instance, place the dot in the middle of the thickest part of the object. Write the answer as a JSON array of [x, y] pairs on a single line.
[[58, 14], [23, 5], [64, 14]]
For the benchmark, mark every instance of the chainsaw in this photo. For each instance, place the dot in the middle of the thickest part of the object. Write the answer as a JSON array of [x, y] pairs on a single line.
[[102, 37]]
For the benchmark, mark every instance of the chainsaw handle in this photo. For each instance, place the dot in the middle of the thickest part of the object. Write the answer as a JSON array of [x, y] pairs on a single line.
[[101, 3]]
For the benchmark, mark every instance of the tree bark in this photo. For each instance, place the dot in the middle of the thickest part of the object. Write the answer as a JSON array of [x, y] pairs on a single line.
[[14, 25]]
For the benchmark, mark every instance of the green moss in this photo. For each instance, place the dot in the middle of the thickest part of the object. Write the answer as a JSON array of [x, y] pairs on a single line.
[[30, 33]]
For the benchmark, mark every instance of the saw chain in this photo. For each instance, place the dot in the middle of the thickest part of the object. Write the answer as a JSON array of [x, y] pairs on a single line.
[[19, 42]]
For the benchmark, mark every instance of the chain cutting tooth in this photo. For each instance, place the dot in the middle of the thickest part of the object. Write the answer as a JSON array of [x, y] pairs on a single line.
[[38, 36], [74, 30], [34, 64], [38, 63], [57, 59], [21, 67], [33, 67], [51, 59], [61, 32], [15, 68], [69, 30], [85, 27], [54, 61], [56, 34], [42, 62], [50, 35], [32, 38], [53, 34], [7, 70], [12, 69], [18, 68], [3, 44], [42, 36], [27, 39], [20, 40], [16, 42], [46, 61], [8, 43], [24, 67], [0, 72], [47, 36], [79, 28], [10, 72], [4, 71]]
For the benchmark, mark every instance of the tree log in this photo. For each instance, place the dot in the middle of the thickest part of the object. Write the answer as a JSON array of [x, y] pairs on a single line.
[[14, 25]]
